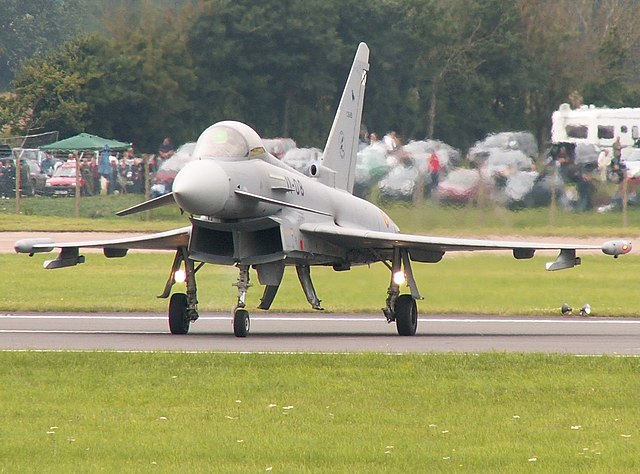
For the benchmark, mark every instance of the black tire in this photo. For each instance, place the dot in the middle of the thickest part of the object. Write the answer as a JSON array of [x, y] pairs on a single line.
[[241, 323], [406, 315], [178, 320]]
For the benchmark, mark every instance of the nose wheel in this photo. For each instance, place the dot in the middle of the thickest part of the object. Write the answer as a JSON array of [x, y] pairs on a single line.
[[241, 322]]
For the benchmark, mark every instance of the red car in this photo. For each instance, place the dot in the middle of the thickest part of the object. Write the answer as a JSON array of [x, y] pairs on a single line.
[[63, 181], [459, 187]]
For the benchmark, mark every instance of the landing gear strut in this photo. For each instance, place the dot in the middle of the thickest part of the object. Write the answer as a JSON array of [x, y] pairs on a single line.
[[402, 308], [241, 321], [183, 308]]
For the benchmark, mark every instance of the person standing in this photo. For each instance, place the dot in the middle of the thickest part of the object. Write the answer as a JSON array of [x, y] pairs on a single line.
[[617, 149], [166, 149], [4, 181], [104, 169], [603, 163], [434, 168]]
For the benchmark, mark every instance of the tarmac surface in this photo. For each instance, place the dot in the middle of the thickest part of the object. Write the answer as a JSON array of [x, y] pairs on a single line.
[[334, 333]]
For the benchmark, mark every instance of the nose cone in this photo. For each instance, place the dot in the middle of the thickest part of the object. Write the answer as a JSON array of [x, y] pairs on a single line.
[[201, 187]]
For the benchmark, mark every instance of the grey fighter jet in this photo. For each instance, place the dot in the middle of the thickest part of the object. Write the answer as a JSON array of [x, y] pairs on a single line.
[[250, 210]]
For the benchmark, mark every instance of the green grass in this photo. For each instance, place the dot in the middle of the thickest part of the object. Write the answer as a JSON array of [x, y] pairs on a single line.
[[98, 214], [207, 412], [474, 221], [470, 283]]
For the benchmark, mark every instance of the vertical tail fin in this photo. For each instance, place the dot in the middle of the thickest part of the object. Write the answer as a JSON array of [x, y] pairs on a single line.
[[342, 145]]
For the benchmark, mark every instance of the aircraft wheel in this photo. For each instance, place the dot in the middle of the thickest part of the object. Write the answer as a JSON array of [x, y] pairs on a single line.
[[406, 315], [241, 323], [179, 321]]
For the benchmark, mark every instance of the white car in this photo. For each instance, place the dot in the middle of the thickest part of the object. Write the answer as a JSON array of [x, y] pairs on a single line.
[[632, 162]]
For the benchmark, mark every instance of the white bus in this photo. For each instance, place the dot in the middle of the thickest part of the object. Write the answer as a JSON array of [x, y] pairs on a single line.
[[598, 126]]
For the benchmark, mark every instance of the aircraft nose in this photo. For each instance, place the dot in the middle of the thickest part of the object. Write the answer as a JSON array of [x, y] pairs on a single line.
[[201, 187]]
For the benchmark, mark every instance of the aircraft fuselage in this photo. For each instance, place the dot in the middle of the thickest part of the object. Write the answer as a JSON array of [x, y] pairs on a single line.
[[248, 212]]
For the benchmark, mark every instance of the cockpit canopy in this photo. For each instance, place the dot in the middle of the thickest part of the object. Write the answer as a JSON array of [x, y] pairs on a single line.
[[229, 140]]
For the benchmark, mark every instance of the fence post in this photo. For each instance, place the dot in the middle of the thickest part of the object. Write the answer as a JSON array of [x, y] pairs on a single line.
[[18, 179]]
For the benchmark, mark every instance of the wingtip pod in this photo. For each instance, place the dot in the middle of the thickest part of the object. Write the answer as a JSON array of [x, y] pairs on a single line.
[[616, 247], [32, 246]]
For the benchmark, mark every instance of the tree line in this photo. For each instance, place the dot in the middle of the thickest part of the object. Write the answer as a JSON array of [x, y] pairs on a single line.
[[452, 70]]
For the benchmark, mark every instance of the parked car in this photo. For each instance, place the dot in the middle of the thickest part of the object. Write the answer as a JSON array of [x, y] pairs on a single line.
[[459, 187], [37, 179], [301, 158], [279, 147], [32, 180], [399, 184], [632, 163], [33, 154], [63, 181], [163, 179], [522, 141]]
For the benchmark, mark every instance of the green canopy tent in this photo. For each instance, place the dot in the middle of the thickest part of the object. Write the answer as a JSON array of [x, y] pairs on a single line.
[[85, 142]]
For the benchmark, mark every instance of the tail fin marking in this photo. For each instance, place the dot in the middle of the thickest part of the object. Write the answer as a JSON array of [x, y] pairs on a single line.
[[342, 145]]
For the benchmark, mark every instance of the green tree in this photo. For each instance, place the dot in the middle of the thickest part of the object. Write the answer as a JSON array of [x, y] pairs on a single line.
[[49, 90], [28, 27], [134, 87], [579, 48], [463, 53], [267, 63], [389, 99], [148, 86]]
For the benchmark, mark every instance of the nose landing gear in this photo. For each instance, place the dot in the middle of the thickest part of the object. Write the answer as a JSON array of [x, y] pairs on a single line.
[[241, 321]]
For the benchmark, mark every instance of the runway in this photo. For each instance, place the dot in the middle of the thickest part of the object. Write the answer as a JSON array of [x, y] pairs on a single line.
[[320, 333]]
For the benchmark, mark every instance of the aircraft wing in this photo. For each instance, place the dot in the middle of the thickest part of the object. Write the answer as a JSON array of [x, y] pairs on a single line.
[[69, 255], [425, 248]]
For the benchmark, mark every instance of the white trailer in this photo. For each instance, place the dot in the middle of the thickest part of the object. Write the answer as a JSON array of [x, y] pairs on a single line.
[[598, 126]]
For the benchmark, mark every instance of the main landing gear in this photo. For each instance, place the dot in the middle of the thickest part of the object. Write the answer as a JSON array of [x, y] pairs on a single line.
[[402, 308], [183, 307]]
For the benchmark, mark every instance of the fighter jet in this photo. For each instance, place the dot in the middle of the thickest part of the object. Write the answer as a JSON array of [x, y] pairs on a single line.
[[249, 209]]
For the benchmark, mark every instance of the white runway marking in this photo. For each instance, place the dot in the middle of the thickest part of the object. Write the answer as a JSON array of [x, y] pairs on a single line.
[[62, 331], [322, 333]]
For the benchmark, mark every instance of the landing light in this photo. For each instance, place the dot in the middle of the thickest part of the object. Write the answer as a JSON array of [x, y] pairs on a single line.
[[585, 310], [399, 278], [180, 276]]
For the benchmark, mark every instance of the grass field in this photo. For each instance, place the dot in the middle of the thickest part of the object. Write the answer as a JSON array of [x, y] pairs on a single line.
[[473, 283], [98, 214], [100, 412]]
